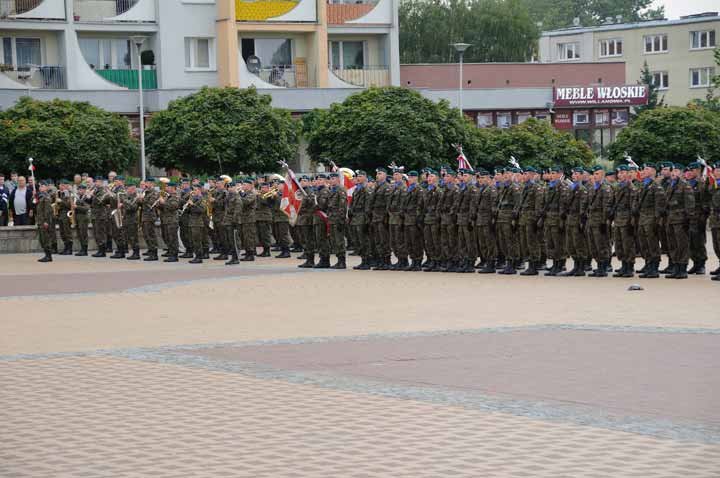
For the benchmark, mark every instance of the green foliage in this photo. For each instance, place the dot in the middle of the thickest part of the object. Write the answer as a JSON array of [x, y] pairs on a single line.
[[654, 99], [222, 130], [560, 13], [670, 134], [382, 125], [533, 143], [64, 137], [499, 30]]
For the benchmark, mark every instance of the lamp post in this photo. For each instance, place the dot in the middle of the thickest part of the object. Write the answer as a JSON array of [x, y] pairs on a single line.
[[138, 41], [460, 48]]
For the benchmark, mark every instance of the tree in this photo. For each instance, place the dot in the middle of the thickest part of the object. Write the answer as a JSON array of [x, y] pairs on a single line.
[[224, 130], [499, 30], [555, 14], [533, 143], [670, 134], [381, 125], [654, 100], [64, 137]]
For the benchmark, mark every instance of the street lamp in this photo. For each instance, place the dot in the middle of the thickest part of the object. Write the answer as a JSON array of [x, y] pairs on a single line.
[[460, 48], [138, 41]]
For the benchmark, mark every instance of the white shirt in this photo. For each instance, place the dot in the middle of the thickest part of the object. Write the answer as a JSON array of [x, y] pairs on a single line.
[[20, 204]]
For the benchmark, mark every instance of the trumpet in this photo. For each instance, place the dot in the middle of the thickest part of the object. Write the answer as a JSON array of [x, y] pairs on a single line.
[[271, 193], [187, 204]]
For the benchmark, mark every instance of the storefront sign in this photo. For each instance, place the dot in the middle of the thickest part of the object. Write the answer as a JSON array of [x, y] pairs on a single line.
[[563, 119], [600, 95]]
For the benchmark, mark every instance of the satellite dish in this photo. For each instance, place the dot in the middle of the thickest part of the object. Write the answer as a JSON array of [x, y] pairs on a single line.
[[254, 64]]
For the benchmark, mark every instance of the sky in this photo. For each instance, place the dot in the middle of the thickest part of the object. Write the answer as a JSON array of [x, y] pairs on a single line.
[[675, 8]]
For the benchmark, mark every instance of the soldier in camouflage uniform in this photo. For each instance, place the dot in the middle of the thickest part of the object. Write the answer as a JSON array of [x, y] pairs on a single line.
[[247, 214], [263, 218], [321, 225], [82, 219], [467, 243], [698, 227], [483, 211], [218, 202], [117, 233], [99, 218], [148, 216], [664, 181], [305, 223], [506, 224], [680, 214], [131, 208], [448, 224], [714, 220], [281, 225], [650, 210], [43, 219], [337, 210], [168, 208], [529, 211], [232, 205], [379, 217], [575, 211], [412, 221], [184, 221], [600, 198], [65, 198], [359, 220], [552, 220], [429, 209], [624, 203], [197, 208], [396, 220]]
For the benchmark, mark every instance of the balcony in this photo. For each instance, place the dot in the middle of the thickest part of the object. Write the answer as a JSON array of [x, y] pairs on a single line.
[[129, 78], [339, 13], [50, 77], [11, 8], [282, 76], [135, 11], [365, 77]]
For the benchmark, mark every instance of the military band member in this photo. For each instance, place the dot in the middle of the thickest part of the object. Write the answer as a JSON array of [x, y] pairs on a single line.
[[395, 221], [412, 198], [148, 214], [131, 210], [196, 209], [650, 211], [99, 216], [680, 215], [575, 211], [248, 227], [217, 202], [263, 218], [184, 221], [43, 219], [168, 207], [64, 201], [232, 207], [117, 233], [337, 210], [281, 224], [82, 218]]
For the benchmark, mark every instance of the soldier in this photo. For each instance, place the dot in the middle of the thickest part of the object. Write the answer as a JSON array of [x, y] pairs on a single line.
[[680, 214], [281, 223], [714, 220], [217, 201], [358, 213], [698, 227], [507, 220], [99, 217], [337, 217], [379, 225], [82, 218], [305, 222], [448, 224], [321, 226], [184, 222], [131, 209], [248, 199], [232, 206], [552, 219], [529, 211], [412, 197], [650, 210], [43, 214], [600, 197], [467, 243], [117, 233], [148, 215], [621, 215], [64, 206], [483, 211], [575, 212], [664, 181], [168, 208], [198, 210], [395, 221], [430, 212], [263, 218]]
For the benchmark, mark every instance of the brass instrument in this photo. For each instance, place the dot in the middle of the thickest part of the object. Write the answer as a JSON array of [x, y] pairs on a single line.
[[56, 206], [71, 212], [271, 193], [163, 194], [117, 212], [190, 202]]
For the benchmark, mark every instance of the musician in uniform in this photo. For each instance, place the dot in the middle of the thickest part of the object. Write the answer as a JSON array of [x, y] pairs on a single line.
[[232, 205], [99, 217], [117, 232], [148, 201], [81, 214], [168, 209], [247, 214], [217, 201], [184, 222], [196, 209], [43, 219], [65, 202], [263, 218], [130, 208]]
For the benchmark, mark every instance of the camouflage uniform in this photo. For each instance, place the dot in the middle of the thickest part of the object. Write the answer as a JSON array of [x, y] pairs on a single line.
[[184, 223], [575, 224], [698, 226], [506, 224], [680, 214], [321, 227], [483, 210], [379, 225], [43, 215], [197, 212], [650, 210], [64, 221], [263, 221], [429, 209], [623, 228], [599, 204], [554, 228], [412, 198], [528, 211], [359, 222], [148, 216], [337, 217], [99, 220], [448, 228], [131, 207], [169, 221], [249, 229], [281, 224], [396, 224], [467, 243], [218, 204], [82, 221]]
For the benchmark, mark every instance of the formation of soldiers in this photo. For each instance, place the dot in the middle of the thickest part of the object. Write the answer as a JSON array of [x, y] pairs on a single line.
[[508, 221]]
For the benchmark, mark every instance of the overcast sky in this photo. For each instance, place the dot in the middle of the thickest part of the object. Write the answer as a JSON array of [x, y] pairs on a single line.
[[675, 8]]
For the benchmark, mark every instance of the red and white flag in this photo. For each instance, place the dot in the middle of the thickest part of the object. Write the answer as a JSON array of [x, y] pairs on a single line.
[[463, 162], [292, 194], [347, 180]]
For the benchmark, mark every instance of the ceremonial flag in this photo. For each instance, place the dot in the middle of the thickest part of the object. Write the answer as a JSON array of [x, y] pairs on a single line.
[[463, 161], [292, 194], [347, 180]]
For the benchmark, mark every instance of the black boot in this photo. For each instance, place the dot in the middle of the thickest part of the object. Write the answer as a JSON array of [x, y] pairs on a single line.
[[430, 266], [509, 269], [531, 269], [82, 252], [643, 269], [717, 278], [249, 257], [205, 253], [47, 257], [108, 245], [668, 269], [100, 252], [296, 248], [716, 272], [363, 266], [629, 270], [600, 271], [198, 259], [340, 263], [621, 271], [488, 268], [469, 266], [416, 266], [309, 261], [135, 255], [323, 263], [233, 259], [699, 268], [582, 266], [651, 271], [284, 253], [571, 272], [383, 264], [554, 270], [67, 249], [265, 252], [221, 257], [500, 264], [681, 272], [171, 258], [151, 255]]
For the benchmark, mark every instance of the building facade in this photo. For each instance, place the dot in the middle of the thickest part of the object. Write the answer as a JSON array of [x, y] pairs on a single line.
[[679, 53], [86, 46]]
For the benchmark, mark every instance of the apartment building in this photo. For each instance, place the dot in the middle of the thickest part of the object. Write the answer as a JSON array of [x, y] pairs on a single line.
[[86, 49], [679, 53]]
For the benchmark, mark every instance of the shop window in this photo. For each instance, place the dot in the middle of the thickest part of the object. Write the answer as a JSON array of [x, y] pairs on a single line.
[[484, 120], [581, 118]]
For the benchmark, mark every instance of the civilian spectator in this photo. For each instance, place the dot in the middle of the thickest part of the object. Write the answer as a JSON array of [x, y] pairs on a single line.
[[12, 184], [4, 202], [21, 203]]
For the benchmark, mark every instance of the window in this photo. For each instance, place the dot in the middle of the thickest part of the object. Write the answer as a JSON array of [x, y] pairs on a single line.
[[484, 120], [107, 53], [21, 52], [610, 48], [270, 51], [581, 117], [704, 39], [656, 43], [504, 120], [568, 51], [523, 117], [602, 118], [347, 55], [199, 54], [7, 51], [619, 117], [661, 79], [542, 116], [701, 77]]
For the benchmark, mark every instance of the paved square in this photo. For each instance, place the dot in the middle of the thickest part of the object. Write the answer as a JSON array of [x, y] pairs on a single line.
[[112, 369]]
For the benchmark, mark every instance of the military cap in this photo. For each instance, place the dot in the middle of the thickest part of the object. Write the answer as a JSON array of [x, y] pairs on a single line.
[[665, 164], [413, 174], [99, 178], [360, 172], [678, 166], [632, 167], [450, 172], [321, 176], [514, 170], [530, 169], [622, 167], [248, 181], [172, 183], [131, 182], [597, 167], [380, 170], [185, 180], [333, 175], [430, 171], [82, 186], [231, 184], [197, 186], [611, 173], [556, 169], [304, 177], [694, 165], [119, 178], [578, 169], [150, 179], [649, 165], [483, 172]]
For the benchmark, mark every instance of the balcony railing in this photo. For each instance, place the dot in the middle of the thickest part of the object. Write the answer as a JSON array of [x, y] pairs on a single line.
[[129, 78], [284, 76], [366, 76], [46, 77], [10, 8], [99, 10]]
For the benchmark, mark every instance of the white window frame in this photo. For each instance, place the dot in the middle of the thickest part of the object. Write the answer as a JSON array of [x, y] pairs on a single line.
[[563, 49], [599, 113], [341, 44], [485, 124], [192, 42], [607, 42], [503, 115], [614, 114], [707, 35], [663, 39], [710, 74], [13, 47], [664, 80], [114, 62], [578, 113]]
